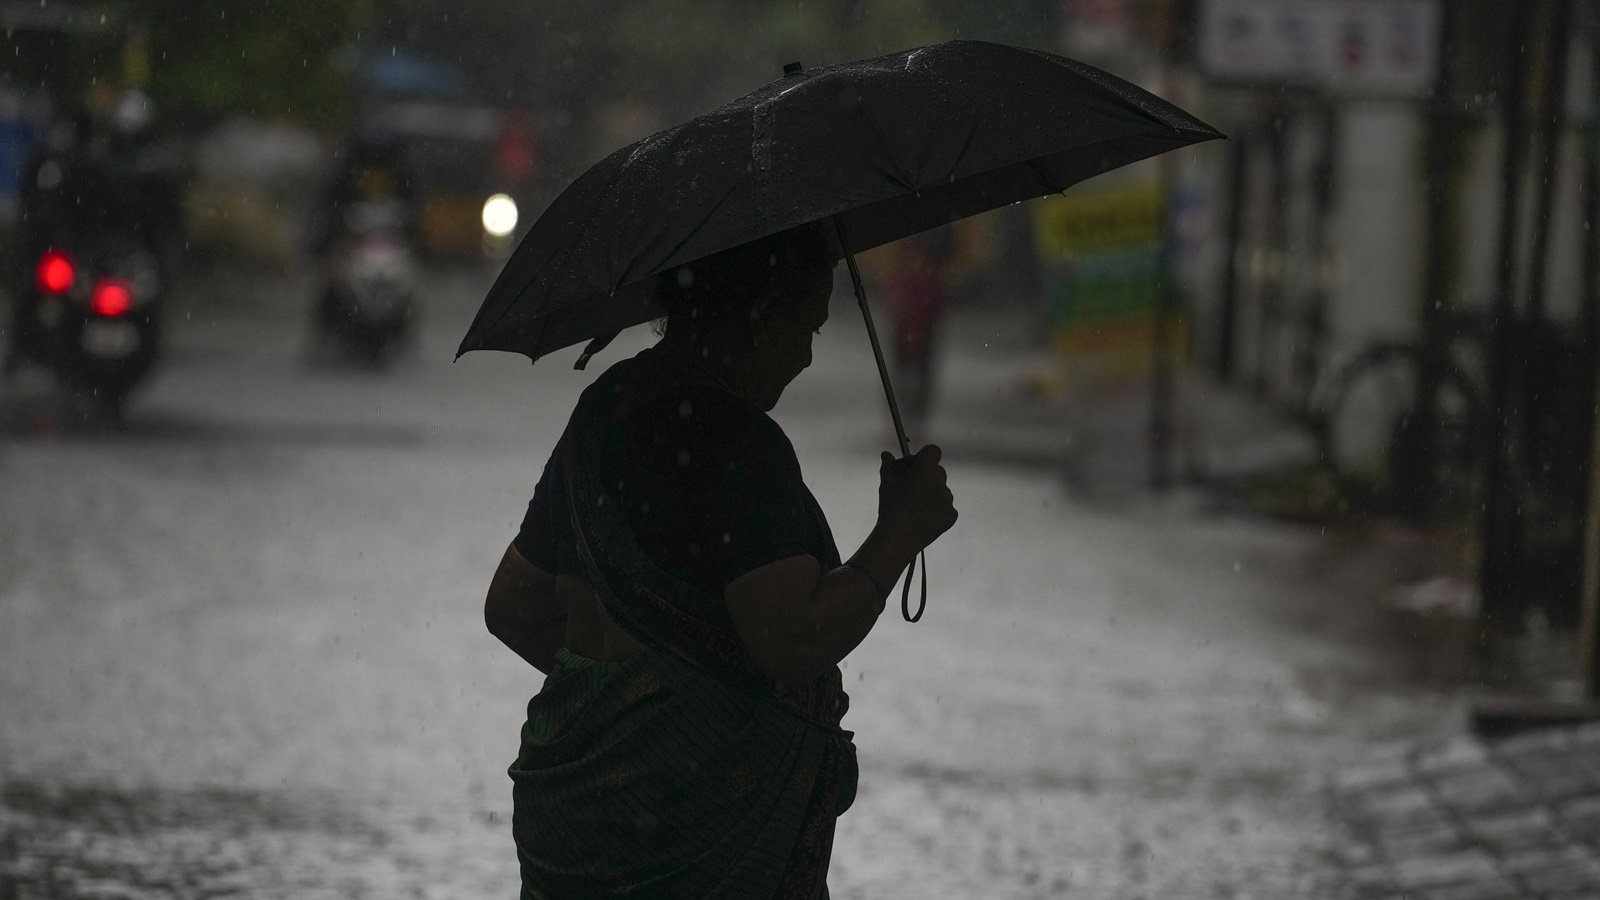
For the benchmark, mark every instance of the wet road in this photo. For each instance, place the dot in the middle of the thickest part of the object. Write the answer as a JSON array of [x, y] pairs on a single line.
[[241, 651]]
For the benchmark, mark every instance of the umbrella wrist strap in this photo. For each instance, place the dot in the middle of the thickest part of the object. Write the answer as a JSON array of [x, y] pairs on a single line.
[[905, 592]]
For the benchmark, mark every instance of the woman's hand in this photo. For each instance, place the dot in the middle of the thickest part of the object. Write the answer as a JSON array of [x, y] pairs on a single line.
[[914, 502], [797, 620]]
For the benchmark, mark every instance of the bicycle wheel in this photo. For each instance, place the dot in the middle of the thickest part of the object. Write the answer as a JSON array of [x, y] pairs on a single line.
[[1368, 415]]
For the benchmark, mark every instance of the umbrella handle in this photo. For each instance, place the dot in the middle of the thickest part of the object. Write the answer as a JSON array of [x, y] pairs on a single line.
[[894, 409]]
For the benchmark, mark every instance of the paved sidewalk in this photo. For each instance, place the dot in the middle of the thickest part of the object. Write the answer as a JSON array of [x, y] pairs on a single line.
[[1465, 819]]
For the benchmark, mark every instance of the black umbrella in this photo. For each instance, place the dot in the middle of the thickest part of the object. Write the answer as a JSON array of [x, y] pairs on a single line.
[[883, 148]]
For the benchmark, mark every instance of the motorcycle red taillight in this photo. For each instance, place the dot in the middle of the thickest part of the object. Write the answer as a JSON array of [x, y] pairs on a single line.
[[55, 273], [110, 297]]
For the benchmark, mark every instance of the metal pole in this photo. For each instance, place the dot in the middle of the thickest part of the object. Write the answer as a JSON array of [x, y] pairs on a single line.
[[1311, 346], [1589, 617], [1420, 447], [1553, 119], [1228, 291], [872, 335], [1589, 293], [1270, 303], [1589, 325], [1589, 296], [1499, 524], [1163, 378]]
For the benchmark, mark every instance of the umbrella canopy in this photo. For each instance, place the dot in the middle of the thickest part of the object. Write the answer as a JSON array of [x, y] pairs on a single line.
[[890, 146]]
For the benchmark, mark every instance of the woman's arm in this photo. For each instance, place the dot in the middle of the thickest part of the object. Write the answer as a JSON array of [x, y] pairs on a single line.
[[524, 611], [797, 620]]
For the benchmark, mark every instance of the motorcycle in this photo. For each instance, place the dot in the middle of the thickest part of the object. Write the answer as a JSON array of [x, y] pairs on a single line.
[[97, 308], [369, 302]]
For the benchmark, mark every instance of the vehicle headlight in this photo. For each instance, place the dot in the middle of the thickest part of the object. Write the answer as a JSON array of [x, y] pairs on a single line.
[[499, 215]]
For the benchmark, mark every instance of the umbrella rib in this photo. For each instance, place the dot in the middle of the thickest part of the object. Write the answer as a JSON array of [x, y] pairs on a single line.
[[690, 235], [565, 252], [877, 132], [972, 137]]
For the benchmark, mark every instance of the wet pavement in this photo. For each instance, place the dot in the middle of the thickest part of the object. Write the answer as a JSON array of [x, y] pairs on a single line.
[[1469, 819], [242, 654], [94, 841]]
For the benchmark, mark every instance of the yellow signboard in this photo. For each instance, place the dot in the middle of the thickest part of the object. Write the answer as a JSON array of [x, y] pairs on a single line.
[[1113, 218], [1102, 251]]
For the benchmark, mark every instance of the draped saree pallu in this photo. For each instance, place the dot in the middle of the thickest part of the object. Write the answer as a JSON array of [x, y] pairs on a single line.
[[682, 771]]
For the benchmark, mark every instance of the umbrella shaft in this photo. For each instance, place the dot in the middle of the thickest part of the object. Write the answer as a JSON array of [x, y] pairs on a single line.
[[872, 335]]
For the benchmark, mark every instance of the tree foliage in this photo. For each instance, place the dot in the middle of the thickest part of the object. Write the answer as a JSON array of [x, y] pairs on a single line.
[[678, 57], [682, 55], [267, 58], [276, 58]]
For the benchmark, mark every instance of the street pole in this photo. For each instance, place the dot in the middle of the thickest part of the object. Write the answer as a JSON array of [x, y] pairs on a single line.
[[1163, 378], [1499, 532], [1420, 442], [1270, 303], [1589, 618], [1233, 232], [1553, 120], [1310, 350], [1589, 328]]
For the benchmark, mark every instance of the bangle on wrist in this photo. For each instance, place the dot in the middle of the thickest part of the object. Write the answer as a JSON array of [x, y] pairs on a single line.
[[883, 595]]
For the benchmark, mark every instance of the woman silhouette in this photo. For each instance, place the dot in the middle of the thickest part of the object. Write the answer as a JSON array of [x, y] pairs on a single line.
[[680, 586]]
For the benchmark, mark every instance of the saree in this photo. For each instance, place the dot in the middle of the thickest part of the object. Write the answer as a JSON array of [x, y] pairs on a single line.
[[682, 771]]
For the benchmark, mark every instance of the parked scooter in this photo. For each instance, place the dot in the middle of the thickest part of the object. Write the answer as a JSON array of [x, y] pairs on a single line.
[[97, 307], [369, 300]]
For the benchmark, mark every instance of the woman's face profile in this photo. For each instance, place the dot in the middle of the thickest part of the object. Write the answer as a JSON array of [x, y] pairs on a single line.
[[785, 349]]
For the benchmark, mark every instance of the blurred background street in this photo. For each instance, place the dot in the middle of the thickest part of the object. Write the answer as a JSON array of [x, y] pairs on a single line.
[[1278, 567], [242, 649]]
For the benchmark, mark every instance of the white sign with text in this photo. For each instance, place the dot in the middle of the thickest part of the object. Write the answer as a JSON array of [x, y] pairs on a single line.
[[1371, 47]]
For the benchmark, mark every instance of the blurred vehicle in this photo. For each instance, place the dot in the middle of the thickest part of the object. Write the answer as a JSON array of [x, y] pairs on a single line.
[[99, 218], [97, 308], [464, 159], [472, 163], [369, 300], [366, 237]]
